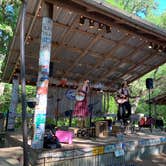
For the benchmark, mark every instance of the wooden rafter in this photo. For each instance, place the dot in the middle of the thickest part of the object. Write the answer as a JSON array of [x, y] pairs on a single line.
[[28, 33], [114, 68], [71, 28], [83, 53], [150, 69], [137, 64], [98, 15], [105, 56]]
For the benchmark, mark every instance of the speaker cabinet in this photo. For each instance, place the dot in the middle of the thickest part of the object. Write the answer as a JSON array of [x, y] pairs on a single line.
[[101, 128], [149, 83]]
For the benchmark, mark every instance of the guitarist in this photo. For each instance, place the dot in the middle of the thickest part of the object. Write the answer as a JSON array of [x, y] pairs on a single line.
[[124, 109]]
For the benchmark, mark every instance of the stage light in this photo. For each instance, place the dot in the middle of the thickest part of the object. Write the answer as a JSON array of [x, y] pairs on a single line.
[[108, 29], [82, 20], [91, 23], [160, 49], [150, 45], [155, 46], [101, 26]]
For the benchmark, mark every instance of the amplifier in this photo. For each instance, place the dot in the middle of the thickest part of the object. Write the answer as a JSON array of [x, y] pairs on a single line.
[[101, 128]]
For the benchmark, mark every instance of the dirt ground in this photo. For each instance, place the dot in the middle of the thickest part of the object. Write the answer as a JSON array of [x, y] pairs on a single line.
[[10, 156]]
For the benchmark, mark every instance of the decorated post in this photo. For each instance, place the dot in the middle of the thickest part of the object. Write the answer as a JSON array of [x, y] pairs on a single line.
[[42, 83], [13, 105]]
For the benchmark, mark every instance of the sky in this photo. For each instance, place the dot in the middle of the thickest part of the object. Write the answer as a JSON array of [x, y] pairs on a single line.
[[162, 6]]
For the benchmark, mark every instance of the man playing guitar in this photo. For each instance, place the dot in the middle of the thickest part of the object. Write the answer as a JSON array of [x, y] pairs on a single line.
[[124, 110]]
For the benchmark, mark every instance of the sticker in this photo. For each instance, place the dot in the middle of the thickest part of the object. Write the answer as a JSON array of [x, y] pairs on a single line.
[[98, 150], [109, 148], [119, 152]]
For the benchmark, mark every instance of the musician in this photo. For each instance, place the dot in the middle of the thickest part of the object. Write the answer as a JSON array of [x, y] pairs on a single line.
[[81, 106], [124, 110]]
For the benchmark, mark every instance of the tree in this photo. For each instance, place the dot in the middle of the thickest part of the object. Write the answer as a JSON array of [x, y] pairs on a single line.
[[8, 17], [138, 87], [159, 20], [137, 7]]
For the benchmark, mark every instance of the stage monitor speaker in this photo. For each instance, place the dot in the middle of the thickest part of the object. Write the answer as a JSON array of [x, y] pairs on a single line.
[[51, 68], [149, 83]]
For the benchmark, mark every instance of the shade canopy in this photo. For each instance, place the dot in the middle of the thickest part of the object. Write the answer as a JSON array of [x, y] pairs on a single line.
[[91, 40]]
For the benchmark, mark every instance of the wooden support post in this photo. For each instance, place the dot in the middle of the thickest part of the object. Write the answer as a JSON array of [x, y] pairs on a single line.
[[43, 77], [13, 105], [23, 85]]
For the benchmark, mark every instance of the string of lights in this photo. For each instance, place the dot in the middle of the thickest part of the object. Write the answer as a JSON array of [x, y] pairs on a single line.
[[157, 47], [101, 26]]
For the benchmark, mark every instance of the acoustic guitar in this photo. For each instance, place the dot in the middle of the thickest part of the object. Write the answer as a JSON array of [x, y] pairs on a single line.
[[122, 99]]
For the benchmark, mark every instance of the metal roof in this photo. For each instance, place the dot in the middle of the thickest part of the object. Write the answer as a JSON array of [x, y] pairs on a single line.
[[80, 52], [159, 99]]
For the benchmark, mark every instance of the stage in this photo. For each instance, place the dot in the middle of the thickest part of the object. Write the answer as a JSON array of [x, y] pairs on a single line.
[[111, 151]]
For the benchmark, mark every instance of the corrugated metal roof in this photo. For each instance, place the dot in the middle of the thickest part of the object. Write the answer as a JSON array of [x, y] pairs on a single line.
[[80, 52]]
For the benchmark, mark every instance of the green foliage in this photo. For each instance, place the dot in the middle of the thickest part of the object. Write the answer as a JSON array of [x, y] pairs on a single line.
[[159, 88], [8, 17], [115, 4], [5, 99], [113, 105], [159, 20], [135, 6]]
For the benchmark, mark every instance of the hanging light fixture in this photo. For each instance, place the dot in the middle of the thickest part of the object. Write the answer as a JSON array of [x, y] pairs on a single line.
[[164, 49], [91, 23], [108, 29], [82, 20], [160, 49], [155, 46], [150, 45], [101, 26]]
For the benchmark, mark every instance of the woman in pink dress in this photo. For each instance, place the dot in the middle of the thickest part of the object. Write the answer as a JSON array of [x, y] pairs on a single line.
[[81, 106]]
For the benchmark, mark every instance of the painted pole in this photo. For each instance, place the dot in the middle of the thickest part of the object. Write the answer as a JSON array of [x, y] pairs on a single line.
[[13, 105], [23, 85], [42, 83]]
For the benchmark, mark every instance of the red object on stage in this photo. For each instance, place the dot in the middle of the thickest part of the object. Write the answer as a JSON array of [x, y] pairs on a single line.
[[146, 122]]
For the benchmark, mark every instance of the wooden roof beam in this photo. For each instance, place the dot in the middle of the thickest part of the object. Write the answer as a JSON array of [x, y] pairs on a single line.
[[103, 15], [150, 69], [109, 55], [114, 68], [39, 2], [94, 40]]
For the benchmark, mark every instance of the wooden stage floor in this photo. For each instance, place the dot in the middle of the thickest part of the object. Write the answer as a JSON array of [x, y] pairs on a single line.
[[89, 152]]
